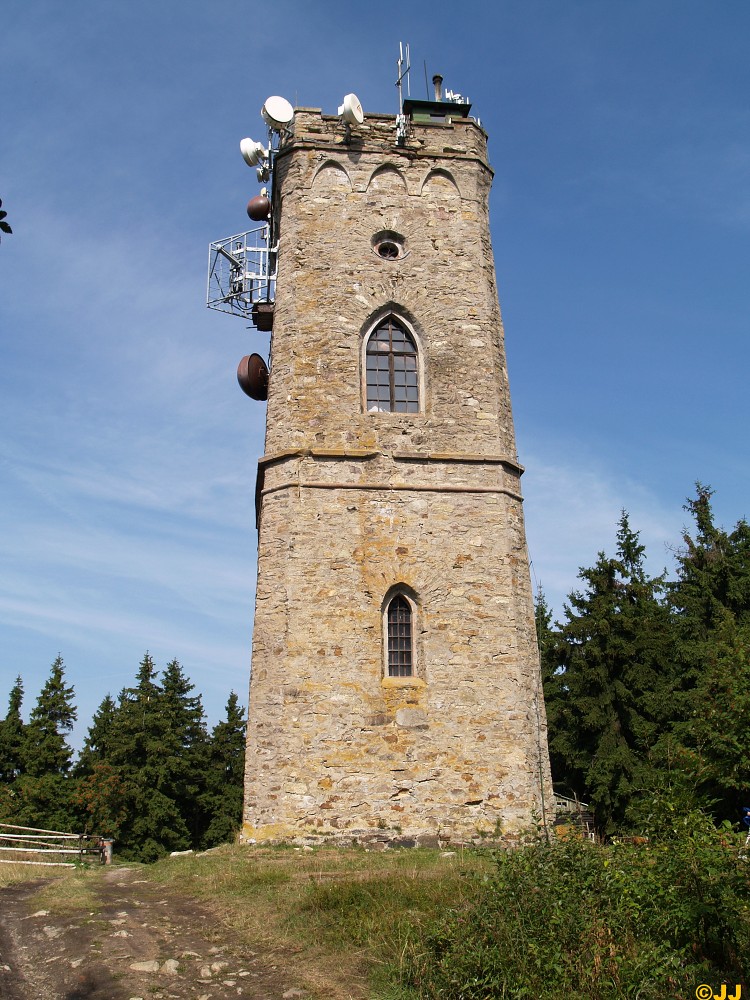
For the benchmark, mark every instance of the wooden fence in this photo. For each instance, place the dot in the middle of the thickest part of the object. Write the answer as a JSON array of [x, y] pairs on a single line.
[[26, 845], [576, 814]]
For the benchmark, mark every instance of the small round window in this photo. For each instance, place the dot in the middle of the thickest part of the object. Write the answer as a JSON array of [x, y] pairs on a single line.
[[388, 250], [388, 245]]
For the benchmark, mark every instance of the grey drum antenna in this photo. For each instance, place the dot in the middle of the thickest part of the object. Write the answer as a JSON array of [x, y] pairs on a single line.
[[351, 110]]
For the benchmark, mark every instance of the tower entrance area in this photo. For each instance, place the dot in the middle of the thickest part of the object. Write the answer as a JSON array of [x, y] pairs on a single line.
[[395, 691]]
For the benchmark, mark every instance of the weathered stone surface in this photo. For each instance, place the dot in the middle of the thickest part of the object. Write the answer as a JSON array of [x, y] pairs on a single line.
[[355, 503], [411, 718], [152, 966]]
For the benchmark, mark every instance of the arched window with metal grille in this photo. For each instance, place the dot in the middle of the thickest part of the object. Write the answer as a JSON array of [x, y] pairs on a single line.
[[400, 637], [392, 364]]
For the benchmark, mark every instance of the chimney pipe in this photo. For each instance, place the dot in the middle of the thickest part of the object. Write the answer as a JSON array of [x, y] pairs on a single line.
[[437, 82]]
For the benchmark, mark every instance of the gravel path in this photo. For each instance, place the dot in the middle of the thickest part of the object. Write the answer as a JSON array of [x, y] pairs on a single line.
[[141, 942]]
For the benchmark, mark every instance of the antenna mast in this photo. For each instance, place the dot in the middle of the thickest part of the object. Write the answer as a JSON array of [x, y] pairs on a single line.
[[403, 70]]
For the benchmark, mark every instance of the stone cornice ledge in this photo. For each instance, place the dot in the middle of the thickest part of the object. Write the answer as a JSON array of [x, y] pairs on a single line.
[[397, 456], [453, 456], [379, 487]]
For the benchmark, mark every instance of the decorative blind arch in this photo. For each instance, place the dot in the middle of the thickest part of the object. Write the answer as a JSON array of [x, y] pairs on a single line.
[[392, 369]]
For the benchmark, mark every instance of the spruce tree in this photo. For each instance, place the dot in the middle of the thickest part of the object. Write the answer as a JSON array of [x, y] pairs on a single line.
[[153, 823], [146, 764], [711, 600], [615, 672], [713, 572], [12, 736], [225, 777], [11, 753], [46, 750], [556, 693], [716, 736], [185, 749], [100, 796], [102, 735], [45, 785]]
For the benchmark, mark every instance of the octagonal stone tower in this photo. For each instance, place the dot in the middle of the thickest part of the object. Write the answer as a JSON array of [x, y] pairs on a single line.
[[395, 690]]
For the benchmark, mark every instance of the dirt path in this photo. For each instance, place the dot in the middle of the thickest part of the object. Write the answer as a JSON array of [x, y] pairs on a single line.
[[139, 941]]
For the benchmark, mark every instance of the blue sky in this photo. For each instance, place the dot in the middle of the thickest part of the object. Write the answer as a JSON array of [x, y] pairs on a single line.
[[620, 138]]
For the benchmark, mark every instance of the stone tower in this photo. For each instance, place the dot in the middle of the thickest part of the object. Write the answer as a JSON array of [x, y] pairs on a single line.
[[395, 689]]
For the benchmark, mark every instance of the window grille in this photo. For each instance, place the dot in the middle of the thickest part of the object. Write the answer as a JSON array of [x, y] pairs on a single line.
[[399, 638], [392, 369]]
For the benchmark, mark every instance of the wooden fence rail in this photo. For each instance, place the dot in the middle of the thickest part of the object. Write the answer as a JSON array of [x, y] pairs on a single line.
[[28, 840]]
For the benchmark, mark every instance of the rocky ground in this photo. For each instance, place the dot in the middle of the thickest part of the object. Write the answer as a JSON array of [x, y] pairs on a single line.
[[139, 941]]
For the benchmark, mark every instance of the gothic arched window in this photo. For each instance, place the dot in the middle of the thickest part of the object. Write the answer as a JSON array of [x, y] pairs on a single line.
[[399, 637], [392, 364]]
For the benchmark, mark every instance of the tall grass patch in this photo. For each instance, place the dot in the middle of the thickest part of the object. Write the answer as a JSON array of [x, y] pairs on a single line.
[[343, 917]]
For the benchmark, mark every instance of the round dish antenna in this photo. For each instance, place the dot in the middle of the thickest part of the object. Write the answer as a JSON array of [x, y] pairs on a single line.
[[277, 113], [259, 208], [252, 374], [253, 152], [351, 110]]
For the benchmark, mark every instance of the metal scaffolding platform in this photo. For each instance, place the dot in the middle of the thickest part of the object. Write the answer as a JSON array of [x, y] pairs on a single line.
[[242, 273]]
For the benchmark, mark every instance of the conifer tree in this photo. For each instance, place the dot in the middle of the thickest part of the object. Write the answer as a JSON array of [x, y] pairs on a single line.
[[616, 677], [716, 736], [98, 745], [185, 750], [711, 598], [153, 824], [713, 572], [45, 787], [46, 750], [148, 775], [146, 763], [12, 736], [100, 796], [225, 778], [556, 693], [11, 751]]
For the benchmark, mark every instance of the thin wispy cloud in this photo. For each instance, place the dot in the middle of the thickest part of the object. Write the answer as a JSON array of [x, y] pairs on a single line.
[[572, 511]]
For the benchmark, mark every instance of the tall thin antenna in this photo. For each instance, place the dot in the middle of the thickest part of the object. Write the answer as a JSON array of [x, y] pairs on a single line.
[[426, 85], [403, 72]]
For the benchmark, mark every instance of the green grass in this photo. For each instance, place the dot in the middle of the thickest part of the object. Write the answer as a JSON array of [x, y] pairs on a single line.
[[342, 918], [62, 890], [12, 874], [72, 892]]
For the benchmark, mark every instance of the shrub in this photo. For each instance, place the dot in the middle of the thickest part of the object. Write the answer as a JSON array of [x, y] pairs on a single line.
[[572, 919]]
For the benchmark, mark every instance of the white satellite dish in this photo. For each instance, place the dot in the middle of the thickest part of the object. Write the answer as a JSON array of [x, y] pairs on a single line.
[[253, 152], [277, 112], [351, 110]]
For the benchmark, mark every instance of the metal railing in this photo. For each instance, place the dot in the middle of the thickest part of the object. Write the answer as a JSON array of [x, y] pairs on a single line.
[[241, 272]]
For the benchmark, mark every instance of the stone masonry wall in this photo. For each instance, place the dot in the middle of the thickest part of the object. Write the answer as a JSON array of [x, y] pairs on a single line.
[[354, 504]]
